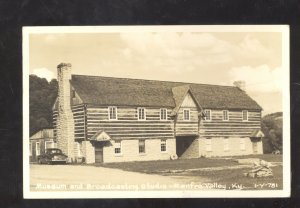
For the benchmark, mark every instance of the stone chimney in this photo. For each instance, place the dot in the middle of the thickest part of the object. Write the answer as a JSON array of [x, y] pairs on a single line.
[[240, 84], [65, 120]]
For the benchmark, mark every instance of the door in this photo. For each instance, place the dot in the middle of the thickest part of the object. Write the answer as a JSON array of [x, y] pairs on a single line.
[[98, 153], [254, 146]]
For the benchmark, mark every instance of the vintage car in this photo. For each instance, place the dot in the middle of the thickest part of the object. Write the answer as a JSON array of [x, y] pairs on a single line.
[[51, 156]]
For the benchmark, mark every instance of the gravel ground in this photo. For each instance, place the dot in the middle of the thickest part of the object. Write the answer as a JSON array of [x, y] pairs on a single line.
[[78, 178]]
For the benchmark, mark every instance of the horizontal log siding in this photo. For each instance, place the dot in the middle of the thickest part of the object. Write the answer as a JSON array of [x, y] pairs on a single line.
[[235, 127], [187, 127], [79, 121], [127, 126]]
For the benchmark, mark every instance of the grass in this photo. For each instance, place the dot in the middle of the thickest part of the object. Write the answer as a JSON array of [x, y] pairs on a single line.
[[228, 177], [166, 165], [232, 178], [183, 164]]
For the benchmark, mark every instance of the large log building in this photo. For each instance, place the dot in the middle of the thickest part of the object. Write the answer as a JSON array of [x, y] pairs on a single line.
[[105, 119]]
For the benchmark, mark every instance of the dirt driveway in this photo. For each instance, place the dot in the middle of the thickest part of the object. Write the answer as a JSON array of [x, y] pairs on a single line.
[[78, 178]]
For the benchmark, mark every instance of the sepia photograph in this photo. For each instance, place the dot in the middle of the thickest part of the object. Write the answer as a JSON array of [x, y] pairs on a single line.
[[156, 111]]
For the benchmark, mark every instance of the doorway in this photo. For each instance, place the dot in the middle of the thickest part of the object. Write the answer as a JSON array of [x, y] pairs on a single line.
[[182, 144], [99, 152]]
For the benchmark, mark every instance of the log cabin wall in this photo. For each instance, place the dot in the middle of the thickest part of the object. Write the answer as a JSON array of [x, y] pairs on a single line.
[[234, 127], [127, 125], [79, 121]]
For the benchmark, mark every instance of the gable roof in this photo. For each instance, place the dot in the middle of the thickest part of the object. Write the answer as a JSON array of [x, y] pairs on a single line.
[[99, 90], [179, 94]]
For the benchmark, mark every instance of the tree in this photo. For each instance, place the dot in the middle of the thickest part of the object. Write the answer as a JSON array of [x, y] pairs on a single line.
[[42, 95], [272, 128]]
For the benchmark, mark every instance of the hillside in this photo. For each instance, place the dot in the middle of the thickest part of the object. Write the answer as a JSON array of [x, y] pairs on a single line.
[[42, 95], [272, 128]]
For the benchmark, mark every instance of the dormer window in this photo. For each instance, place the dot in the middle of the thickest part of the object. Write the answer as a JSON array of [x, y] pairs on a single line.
[[186, 114], [245, 115]]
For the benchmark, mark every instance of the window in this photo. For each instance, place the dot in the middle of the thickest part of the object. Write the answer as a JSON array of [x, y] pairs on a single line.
[[141, 114], [207, 115], [163, 114], [49, 144], [225, 115], [37, 148], [245, 115], [163, 145], [30, 149], [117, 147], [112, 113], [186, 114], [242, 144], [226, 144], [142, 146], [208, 145]]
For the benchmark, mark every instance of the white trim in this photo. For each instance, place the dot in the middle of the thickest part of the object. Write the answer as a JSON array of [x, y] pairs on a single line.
[[37, 144], [247, 115], [160, 114], [209, 115], [184, 114], [227, 115], [138, 114], [116, 109]]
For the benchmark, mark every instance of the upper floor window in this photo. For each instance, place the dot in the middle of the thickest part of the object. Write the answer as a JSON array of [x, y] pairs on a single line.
[[163, 114], [141, 114], [225, 115], [245, 115], [112, 113], [142, 146], [186, 114], [207, 115]]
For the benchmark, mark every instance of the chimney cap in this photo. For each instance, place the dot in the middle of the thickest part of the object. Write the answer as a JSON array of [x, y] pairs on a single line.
[[64, 65]]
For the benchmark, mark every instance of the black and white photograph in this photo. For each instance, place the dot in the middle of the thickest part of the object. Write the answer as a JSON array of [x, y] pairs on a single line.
[[156, 111]]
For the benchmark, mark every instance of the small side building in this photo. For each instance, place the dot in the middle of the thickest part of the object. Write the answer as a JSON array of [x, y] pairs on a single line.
[[39, 142]]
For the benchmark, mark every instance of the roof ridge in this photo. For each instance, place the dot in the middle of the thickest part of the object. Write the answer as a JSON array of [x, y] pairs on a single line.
[[183, 83]]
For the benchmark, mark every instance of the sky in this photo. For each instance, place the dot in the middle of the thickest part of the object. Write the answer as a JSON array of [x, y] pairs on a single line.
[[210, 58]]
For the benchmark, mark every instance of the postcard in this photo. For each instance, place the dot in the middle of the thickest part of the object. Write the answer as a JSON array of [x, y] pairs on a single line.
[[156, 111]]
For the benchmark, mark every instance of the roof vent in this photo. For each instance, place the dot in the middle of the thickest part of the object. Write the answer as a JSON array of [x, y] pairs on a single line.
[[240, 84]]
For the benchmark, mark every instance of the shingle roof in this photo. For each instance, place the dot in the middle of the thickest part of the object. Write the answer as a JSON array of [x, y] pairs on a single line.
[[99, 90]]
